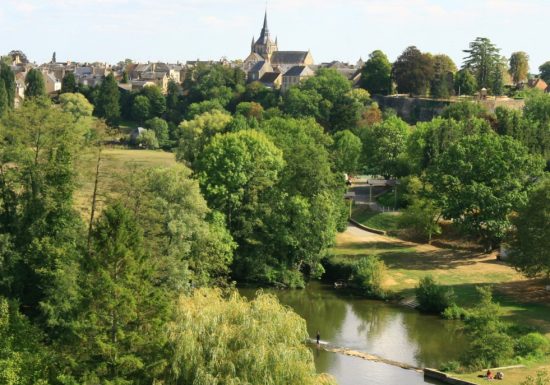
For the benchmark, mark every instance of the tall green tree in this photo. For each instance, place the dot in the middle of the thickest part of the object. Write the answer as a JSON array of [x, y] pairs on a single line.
[[483, 60], [157, 100], [413, 71], [347, 151], [120, 328], [384, 147], [4, 104], [479, 180], [68, 84], [376, 74], [108, 100], [7, 75], [531, 241], [34, 84], [465, 82], [545, 72], [519, 66], [141, 108], [442, 84]]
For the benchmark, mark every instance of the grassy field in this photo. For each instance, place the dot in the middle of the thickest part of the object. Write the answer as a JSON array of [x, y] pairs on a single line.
[[511, 376], [388, 221], [462, 270], [115, 163]]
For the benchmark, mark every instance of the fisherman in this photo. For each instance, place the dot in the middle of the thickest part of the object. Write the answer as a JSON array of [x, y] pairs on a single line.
[[318, 338]]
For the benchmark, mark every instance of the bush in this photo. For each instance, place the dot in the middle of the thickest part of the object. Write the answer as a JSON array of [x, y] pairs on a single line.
[[368, 274], [451, 366], [532, 345], [455, 312], [433, 298], [148, 140]]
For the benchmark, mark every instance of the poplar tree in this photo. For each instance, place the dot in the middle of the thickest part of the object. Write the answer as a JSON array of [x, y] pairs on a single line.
[[108, 103], [6, 74], [34, 84]]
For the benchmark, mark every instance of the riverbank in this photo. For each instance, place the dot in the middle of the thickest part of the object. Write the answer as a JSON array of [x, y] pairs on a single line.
[[462, 270]]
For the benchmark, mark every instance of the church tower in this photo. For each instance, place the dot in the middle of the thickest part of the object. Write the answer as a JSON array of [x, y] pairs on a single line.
[[264, 46]]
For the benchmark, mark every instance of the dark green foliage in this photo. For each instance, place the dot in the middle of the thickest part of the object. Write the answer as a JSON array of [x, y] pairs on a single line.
[[34, 84], [413, 71], [141, 109], [384, 146], [442, 84], [531, 240], [433, 298], [68, 84], [484, 61], [4, 105], [157, 100], [376, 74], [108, 100], [346, 151], [7, 75], [545, 72], [465, 82], [479, 180]]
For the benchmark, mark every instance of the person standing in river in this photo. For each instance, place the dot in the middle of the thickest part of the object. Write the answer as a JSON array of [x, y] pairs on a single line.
[[318, 338]]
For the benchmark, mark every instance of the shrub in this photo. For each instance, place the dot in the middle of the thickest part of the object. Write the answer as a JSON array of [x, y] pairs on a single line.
[[148, 140], [368, 274], [433, 298], [450, 366], [455, 312], [532, 345]]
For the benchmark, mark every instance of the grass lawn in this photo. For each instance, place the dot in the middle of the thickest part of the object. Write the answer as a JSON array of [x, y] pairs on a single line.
[[511, 376], [388, 221], [462, 270], [115, 163]]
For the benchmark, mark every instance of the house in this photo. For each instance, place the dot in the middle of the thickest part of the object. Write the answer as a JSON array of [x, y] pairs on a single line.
[[539, 84], [295, 75], [51, 83]]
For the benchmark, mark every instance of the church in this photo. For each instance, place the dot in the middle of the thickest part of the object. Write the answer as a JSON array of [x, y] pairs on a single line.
[[274, 68]]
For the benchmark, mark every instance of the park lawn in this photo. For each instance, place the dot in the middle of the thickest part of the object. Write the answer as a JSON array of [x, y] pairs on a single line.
[[513, 376], [388, 221], [461, 270], [115, 163]]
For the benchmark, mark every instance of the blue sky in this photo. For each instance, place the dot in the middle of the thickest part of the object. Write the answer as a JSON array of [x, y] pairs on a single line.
[[172, 30]]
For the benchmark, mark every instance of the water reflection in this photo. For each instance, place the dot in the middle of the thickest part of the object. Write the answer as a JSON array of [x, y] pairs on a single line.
[[374, 327]]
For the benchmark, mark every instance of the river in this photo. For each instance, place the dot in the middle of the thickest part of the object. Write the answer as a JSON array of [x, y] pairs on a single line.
[[385, 330]]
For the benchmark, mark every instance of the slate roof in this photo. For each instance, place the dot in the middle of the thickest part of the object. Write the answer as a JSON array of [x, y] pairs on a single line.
[[288, 57], [258, 66], [270, 77], [297, 71]]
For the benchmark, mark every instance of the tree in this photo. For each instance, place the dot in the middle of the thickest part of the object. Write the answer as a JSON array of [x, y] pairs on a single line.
[[157, 100], [545, 72], [120, 327], [422, 216], [4, 104], [7, 75], [160, 127], [34, 84], [384, 145], [68, 84], [148, 140], [531, 241], [433, 298], [479, 180], [202, 357], [76, 104], [376, 74], [465, 82], [191, 243], [519, 67], [108, 100], [346, 152], [442, 84], [235, 168], [141, 108], [483, 60], [413, 71], [195, 134]]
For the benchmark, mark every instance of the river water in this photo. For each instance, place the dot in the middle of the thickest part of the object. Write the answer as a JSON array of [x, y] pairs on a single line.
[[374, 327]]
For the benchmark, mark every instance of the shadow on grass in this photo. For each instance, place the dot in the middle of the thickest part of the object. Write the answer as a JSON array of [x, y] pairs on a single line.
[[373, 246], [413, 260]]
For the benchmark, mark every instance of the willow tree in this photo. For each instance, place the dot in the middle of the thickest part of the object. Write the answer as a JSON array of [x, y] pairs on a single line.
[[223, 341]]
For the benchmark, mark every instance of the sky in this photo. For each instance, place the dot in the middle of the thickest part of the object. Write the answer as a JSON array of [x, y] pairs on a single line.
[[345, 30]]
